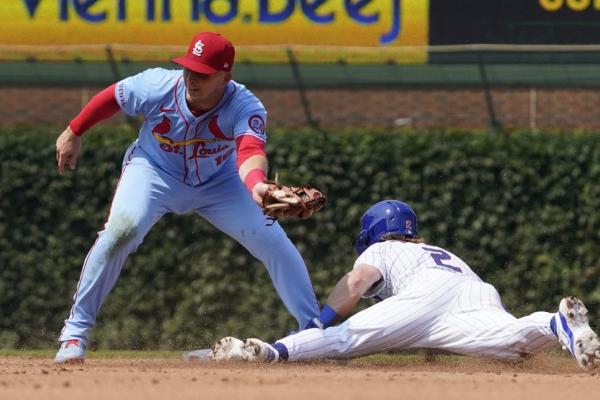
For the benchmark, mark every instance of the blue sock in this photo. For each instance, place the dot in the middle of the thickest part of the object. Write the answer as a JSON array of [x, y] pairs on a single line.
[[553, 326], [282, 350]]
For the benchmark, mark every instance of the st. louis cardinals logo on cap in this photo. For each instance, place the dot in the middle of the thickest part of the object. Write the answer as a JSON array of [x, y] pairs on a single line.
[[257, 124], [208, 53], [198, 48]]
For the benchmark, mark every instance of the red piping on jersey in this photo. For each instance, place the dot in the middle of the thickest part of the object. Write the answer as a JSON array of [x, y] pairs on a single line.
[[130, 156], [213, 127], [79, 284], [225, 103], [102, 106], [187, 126], [195, 153]]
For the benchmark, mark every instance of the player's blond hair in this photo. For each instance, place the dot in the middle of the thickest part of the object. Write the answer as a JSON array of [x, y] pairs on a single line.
[[403, 238]]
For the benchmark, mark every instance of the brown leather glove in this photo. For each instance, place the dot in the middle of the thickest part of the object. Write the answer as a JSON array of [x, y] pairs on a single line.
[[292, 201]]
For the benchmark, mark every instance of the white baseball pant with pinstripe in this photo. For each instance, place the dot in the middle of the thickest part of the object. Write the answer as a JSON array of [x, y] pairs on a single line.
[[434, 301]]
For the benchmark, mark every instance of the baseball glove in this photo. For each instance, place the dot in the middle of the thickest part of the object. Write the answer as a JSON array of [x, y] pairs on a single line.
[[292, 201]]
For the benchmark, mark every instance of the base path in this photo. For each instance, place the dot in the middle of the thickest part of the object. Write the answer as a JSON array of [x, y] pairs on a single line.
[[549, 376]]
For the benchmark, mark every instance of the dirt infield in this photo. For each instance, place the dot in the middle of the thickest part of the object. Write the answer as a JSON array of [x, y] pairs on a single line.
[[549, 376]]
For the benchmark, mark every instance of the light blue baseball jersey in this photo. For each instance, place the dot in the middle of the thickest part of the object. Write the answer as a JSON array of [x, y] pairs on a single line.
[[180, 164], [190, 148]]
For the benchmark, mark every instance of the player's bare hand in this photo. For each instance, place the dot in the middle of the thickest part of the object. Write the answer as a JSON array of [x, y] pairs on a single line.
[[68, 146], [258, 191]]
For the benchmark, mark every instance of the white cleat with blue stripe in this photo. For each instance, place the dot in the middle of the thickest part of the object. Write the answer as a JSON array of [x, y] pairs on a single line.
[[571, 326]]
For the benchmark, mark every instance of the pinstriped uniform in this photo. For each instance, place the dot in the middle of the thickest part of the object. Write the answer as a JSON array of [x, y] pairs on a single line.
[[430, 298]]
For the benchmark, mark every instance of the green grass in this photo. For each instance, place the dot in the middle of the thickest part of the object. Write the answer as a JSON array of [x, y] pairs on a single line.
[[393, 359], [382, 358], [410, 357]]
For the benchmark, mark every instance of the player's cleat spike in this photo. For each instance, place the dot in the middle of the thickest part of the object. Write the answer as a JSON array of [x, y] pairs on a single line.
[[227, 348], [257, 350], [571, 326], [70, 352]]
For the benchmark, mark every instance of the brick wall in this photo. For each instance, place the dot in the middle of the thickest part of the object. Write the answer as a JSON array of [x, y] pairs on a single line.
[[456, 107]]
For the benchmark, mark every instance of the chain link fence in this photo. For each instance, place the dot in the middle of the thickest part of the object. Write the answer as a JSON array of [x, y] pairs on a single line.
[[468, 86]]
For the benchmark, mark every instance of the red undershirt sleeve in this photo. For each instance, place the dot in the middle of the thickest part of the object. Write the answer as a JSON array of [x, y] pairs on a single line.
[[248, 146], [101, 106]]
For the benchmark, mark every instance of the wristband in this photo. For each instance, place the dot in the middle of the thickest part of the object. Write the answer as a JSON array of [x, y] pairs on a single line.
[[328, 315], [253, 177]]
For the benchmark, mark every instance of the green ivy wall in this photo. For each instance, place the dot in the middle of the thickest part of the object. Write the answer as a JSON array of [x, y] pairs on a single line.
[[521, 208]]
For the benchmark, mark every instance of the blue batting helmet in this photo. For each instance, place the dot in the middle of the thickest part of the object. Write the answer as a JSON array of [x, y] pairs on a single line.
[[387, 216]]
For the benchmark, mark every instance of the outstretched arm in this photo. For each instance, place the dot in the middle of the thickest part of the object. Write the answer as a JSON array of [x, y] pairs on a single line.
[[252, 165], [347, 293], [101, 106]]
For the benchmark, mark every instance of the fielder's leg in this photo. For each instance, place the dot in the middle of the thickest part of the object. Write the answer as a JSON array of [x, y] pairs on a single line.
[[229, 207], [137, 205]]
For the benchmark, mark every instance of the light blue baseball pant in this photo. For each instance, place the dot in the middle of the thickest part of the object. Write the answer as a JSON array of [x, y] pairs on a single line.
[[144, 194]]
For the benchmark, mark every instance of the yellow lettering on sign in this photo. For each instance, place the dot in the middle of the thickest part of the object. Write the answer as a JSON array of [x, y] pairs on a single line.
[[552, 5], [578, 5]]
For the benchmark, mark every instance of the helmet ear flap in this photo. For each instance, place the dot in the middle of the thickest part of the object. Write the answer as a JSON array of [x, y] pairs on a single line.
[[361, 242]]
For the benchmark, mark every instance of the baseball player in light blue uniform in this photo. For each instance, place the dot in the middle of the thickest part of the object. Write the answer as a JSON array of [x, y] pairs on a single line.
[[428, 298], [202, 132]]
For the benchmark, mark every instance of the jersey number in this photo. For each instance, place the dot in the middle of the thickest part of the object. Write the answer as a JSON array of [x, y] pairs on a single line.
[[439, 256]]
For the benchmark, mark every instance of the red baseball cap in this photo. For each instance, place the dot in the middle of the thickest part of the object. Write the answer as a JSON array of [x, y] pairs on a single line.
[[208, 53]]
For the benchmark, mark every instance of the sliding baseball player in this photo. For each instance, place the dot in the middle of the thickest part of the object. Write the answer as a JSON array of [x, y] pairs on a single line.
[[428, 298]]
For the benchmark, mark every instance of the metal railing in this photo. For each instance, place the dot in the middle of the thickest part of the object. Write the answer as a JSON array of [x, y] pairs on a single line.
[[305, 68]]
